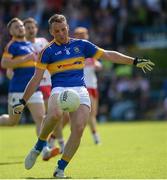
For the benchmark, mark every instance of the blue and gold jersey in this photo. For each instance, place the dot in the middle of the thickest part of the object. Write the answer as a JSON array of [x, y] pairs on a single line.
[[25, 70], [65, 62]]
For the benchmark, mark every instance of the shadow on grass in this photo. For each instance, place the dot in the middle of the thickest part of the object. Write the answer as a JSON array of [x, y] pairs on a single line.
[[56, 178], [36, 178], [46, 178], [10, 163], [16, 157]]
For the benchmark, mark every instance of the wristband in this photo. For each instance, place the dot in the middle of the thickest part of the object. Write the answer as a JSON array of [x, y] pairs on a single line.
[[135, 61], [22, 101]]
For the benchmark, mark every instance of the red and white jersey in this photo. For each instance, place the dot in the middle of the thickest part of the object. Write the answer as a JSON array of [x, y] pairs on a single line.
[[38, 45], [89, 73]]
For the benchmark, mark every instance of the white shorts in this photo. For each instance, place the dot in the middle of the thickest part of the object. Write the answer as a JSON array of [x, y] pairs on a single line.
[[13, 98], [82, 91]]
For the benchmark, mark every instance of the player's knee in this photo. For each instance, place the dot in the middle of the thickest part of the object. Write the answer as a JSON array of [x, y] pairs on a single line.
[[93, 113], [56, 116]]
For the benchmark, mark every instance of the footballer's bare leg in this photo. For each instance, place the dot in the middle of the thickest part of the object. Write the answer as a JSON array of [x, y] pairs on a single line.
[[92, 117], [54, 115], [38, 113], [51, 150], [57, 133], [9, 119], [78, 123], [93, 121]]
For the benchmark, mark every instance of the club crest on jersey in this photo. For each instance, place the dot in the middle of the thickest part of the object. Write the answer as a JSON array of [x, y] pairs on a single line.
[[76, 50]]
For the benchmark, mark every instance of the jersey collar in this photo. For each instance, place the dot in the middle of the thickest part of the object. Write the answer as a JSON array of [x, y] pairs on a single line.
[[59, 44]]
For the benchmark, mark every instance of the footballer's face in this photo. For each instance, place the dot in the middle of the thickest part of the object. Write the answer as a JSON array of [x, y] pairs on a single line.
[[31, 30], [60, 32], [17, 30]]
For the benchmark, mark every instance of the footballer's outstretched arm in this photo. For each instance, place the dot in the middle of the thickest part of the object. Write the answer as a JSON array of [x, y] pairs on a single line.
[[117, 57], [33, 84]]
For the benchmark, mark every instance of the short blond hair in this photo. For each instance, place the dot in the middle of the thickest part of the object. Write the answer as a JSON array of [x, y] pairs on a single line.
[[13, 20], [59, 18], [30, 20]]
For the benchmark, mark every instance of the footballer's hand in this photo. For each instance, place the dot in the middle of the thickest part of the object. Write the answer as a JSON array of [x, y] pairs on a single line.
[[18, 108], [30, 56], [144, 64]]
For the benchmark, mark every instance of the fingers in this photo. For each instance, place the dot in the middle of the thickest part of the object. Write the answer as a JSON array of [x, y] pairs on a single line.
[[145, 65], [18, 109], [143, 70], [15, 111], [148, 67], [151, 63]]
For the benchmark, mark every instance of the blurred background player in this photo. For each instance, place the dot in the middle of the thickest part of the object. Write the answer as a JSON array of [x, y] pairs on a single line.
[[91, 65], [19, 57], [38, 43]]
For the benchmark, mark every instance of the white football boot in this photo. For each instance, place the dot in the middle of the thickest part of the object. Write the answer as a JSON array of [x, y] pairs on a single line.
[[31, 159], [59, 174]]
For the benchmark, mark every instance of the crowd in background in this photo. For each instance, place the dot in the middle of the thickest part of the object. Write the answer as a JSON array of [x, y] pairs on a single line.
[[113, 24], [110, 22]]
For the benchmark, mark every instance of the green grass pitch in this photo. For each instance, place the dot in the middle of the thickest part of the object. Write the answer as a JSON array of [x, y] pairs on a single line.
[[136, 150]]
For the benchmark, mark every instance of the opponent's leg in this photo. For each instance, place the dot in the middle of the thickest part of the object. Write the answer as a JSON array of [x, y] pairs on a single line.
[[93, 121], [38, 113]]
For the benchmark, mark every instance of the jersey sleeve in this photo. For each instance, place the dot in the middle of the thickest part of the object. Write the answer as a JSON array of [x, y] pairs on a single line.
[[91, 50], [44, 57], [9, 51]]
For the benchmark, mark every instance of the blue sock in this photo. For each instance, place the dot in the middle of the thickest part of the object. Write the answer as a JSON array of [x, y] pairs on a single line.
[[40, 144], [62, 164]]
